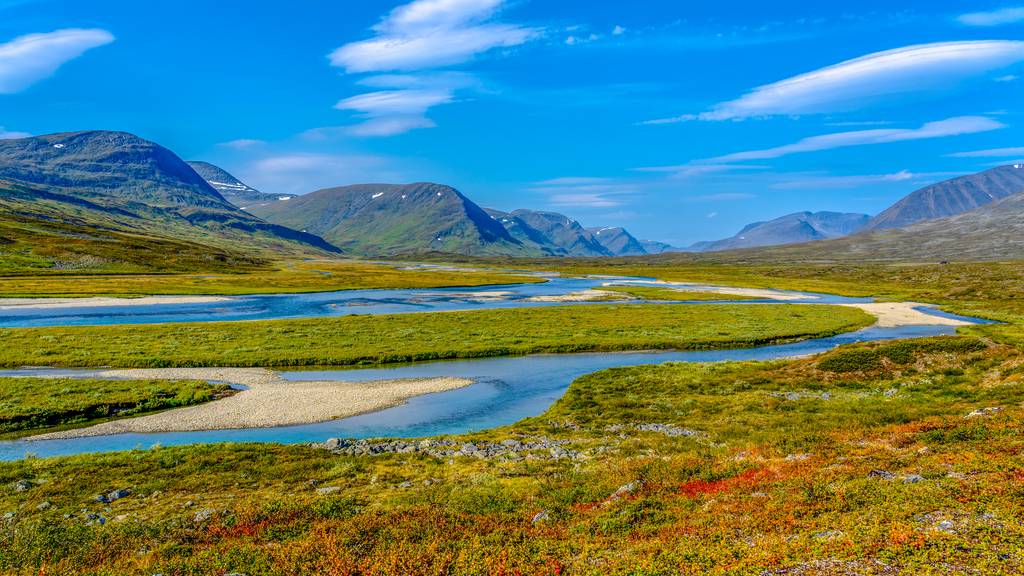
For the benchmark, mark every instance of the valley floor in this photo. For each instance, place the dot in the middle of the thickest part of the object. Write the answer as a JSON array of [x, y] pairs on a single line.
[[882, 458]]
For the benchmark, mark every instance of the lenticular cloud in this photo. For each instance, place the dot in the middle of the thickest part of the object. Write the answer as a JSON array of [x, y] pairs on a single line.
[[855, 83], [31, 58]]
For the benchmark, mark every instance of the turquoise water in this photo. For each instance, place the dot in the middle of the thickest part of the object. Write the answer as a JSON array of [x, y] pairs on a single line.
[[505, 390]]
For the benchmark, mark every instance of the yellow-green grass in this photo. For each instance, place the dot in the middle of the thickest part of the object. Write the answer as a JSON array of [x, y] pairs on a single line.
[[661, 293], [286, 277], [429, 336], [27, 404], [793, 467]]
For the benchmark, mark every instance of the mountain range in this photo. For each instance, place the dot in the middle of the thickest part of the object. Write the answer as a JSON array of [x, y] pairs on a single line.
[[112, 200], [789, 229]]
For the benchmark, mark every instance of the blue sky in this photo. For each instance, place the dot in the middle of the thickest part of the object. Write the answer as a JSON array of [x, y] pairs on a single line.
[[680, 120]]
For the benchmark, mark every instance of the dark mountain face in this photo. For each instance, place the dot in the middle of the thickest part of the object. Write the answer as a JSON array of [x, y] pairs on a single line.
[[655, 247], [618, 241], [232, 189], [119, 180], [952, 197], [559, 234], [383, 219], [789, 229]]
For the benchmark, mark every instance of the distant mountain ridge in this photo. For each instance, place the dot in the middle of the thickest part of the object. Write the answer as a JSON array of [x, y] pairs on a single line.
[[232, 189], [793, 228], [617, 241], [388, 219], [951, 197]]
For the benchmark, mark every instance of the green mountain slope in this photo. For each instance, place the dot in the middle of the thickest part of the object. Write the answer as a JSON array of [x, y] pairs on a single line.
[[122, 184], [387, 219]]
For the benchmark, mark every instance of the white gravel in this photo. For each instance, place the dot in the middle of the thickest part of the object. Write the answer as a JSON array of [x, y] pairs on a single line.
[[101, 302], [269, 401]]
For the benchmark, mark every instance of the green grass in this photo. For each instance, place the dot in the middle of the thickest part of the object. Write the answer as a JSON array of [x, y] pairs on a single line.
[[776, 477], [410, 337], [32, 403], [659, 293], [277, 278]]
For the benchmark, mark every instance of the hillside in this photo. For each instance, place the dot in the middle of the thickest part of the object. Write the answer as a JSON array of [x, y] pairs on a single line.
[[102, 183], [232, 189], [789, 229], [555, 234], [387, 219], [618, 241], [951, 197]]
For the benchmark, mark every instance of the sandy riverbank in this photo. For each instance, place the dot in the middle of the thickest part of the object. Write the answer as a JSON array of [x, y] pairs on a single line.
[[269, 401], [896, 314], [101, 302], [758, 293]]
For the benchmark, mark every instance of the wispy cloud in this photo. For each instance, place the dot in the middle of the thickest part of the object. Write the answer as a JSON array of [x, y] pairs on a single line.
[[856, 181], [34, 57], [299, 173], [429, 34], [584, 191], [854, 84], [990, 153], [695, 170], [12, 135], [940, 129], [994, 17], [242, 143], [390, 112]]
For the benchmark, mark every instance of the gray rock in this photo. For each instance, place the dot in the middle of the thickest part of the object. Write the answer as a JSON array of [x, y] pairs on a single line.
[[203, 516], [328, 490], [43, 506], [890, 392], [22, 485], [626, 489], [113, 495], [542, 516], [982, 412], [884, 475], [913, 478]]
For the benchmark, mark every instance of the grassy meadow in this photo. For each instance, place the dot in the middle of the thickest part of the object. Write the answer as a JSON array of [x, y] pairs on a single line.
[[382, 339], [272, 278]]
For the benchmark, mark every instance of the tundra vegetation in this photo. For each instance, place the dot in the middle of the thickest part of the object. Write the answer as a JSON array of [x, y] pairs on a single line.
[[875, 458]]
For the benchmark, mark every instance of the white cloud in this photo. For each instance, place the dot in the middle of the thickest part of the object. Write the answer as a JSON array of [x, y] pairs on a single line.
[[695, 170], [391, 125], [429, 34], [34, 57], [994, 17], [722, 197], [856, 83], [299, 173], [942, 128], [823, 182], [6, 134], [588, 200], [1007, 78], [395, 102], [618, 31], [390, 112], [712, 215], [990, 153], [242, 143]]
